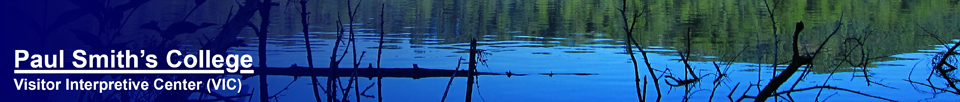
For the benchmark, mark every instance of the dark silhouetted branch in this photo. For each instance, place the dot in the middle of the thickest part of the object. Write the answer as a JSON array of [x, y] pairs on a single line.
[[445, 91], [380, 53], [306, 38], [832, 87], [931, 86], [628, 29], [797, 61], [262, 48], [472, 70]]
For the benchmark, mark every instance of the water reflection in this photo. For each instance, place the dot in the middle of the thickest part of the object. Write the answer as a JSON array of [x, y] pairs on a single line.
[[607, 60], [539, 37]]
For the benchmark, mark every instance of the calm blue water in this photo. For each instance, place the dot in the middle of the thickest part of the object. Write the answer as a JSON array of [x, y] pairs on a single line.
[[613, 82]]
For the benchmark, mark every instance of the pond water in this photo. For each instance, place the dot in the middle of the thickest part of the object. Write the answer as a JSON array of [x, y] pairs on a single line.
[[613, 81], [586, 37]]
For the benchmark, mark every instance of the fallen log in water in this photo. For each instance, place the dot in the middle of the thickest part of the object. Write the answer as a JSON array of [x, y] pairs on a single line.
[[415, 73]]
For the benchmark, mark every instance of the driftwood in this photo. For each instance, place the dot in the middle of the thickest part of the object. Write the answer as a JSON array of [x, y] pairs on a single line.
[[415, 73], [797, 61]]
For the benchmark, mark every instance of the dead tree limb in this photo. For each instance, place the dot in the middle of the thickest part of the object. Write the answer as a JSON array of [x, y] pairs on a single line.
[[831, 87], [797, 61], [628, 29]]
